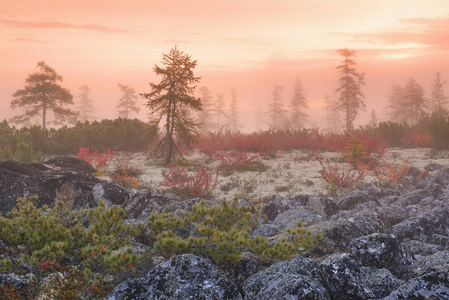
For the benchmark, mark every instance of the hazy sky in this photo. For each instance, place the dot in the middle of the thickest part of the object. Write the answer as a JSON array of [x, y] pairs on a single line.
[[249, 45]]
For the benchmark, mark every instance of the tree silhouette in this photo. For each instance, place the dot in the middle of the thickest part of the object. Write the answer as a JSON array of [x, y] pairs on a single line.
[[234, 114], [85, 104], [438, 97], [297, 106], [127, 103], [41, 94], [414, 102], [171, 98], [275, 109], [205, 116], [351, 97], [395, 100], [220, 113]]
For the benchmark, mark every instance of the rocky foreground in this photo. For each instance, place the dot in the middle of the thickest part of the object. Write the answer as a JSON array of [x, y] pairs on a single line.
[[378, 243]]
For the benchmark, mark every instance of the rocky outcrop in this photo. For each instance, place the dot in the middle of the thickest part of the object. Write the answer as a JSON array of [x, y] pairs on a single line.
[[66, 179]]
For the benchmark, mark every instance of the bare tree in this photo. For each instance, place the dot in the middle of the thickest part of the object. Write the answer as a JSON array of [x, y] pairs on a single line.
[[86, 107], [41, 94], [351, 97], [127, 103]]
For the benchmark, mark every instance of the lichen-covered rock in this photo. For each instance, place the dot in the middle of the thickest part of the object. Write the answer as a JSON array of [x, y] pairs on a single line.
[[339, 232], [277, 205], [324, 206], [63, 179], [296, 278], [249, 265], [423, 225], [442, 177], [356, 198], [412, 197], [340, 273], [419, 289], [381, 251], [71, 164], [433, 268], [182, 277], [377, 283], [290, 218]]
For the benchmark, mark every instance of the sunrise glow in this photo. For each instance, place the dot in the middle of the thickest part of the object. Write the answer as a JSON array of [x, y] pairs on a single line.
[[247, 45]]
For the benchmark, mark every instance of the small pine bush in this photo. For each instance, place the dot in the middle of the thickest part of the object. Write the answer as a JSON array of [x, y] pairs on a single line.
[[67, 259], [222, 233]]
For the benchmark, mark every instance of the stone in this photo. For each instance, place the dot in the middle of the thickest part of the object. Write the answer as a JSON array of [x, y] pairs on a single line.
[[381, 251], [296, 278], [184, 276]]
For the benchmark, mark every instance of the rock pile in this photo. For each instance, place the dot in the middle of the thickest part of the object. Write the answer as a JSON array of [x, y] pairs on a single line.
[[378, 243]]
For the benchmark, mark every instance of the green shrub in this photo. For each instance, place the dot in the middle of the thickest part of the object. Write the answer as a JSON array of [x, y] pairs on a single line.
[[50, 242], [222, 233]]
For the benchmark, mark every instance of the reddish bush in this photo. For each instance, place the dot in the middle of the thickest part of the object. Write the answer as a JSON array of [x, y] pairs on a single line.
[[337, 177], [198, 184], [416, 139], [234, 158], [97, 160]]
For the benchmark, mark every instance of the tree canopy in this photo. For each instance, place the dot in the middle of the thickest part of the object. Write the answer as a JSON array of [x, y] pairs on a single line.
[[172, 100], [41, 94], [127, 103]]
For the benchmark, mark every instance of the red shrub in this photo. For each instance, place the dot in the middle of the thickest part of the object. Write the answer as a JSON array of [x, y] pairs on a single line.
[[197, 184], [97, 160], [416, 139]]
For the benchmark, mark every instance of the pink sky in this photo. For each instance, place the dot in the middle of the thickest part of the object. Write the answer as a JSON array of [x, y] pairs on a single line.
[[249, 45]]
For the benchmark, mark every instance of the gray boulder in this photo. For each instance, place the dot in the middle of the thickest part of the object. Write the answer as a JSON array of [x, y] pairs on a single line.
[[181, 277], [296, 278], [381, 251]]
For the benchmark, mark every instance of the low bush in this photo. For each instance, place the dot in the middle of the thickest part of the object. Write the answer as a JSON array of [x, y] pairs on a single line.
[[222, 233], [67, 259]]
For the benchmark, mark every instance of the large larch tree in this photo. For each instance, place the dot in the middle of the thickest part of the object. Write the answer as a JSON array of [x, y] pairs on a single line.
[[171, 99], [42, 94]]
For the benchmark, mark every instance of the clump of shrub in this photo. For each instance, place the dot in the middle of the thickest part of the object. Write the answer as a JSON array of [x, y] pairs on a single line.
[[98, 160], [199, 183], [67, 259], [222, 234], [24, 153]]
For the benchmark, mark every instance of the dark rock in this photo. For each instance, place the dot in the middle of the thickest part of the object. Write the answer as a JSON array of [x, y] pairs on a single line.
[[391, 214], [137, 204], [381, 251], [296, 278], [339, 232], [290, 218], [423, 226], [358, 197], [433, 268], [377, 283], [266, 230], [418, 289], [418, 248], [68, 183], [72, 164], [442, 177], [340, 273], [412, 197], [277, 205], [182, 277], [249, 265], [324, 206]]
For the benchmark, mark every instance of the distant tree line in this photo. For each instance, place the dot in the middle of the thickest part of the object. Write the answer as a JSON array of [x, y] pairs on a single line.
[[119, 134]]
